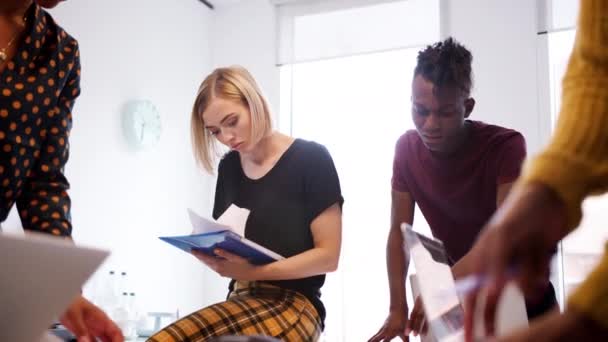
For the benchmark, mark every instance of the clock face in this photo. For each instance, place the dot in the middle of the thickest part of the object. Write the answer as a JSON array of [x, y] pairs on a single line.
[[142, 124]]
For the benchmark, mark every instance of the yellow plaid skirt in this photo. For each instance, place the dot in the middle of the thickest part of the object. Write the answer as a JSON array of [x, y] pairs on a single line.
[[252, 309]]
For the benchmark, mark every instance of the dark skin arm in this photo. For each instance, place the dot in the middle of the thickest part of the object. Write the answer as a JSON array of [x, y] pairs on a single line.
[[402, 210]]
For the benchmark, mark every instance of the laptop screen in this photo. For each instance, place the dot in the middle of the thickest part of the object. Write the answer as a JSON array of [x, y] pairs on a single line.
[[41, 275]]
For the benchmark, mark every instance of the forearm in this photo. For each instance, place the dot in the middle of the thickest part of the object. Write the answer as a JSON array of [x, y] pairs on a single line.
[[397, 264], [462, 268], [313, 262]]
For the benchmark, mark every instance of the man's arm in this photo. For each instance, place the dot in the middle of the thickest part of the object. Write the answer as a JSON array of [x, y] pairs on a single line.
[[402, 210], [502, 192]]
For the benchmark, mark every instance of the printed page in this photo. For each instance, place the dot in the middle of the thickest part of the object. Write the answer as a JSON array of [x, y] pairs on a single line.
[[440, 293], [441, 304]]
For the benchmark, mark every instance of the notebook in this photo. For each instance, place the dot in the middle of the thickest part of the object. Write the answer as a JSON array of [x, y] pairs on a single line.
[[41, 275], [226, 233]]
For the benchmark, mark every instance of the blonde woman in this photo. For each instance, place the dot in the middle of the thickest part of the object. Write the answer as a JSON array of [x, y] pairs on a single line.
[[292, 189]]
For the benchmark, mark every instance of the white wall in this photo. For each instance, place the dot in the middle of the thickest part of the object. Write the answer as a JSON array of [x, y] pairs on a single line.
[[123, 199], [239, 32], [502, 37], [244, 33]]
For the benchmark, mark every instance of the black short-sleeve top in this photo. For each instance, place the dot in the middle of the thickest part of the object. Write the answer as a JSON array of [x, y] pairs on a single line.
[[283, 203]]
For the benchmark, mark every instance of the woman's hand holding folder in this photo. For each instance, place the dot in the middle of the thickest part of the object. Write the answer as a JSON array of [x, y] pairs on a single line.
[[228, 265]]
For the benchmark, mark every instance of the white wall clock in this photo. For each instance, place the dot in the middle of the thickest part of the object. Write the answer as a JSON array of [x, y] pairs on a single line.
[[141, 124]]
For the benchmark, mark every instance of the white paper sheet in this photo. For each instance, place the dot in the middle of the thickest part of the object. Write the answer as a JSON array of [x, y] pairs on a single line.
[[441, 300], [234, 218], [41, 275]]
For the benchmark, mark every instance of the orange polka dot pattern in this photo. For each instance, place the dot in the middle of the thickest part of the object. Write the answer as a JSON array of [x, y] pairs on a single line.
[[38, 87]]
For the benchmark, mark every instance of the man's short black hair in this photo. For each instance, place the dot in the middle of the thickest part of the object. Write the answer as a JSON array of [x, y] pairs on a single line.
[[446, 64]]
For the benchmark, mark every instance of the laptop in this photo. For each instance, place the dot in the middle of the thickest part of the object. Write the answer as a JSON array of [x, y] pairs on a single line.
[[40, 275], [442, 297]]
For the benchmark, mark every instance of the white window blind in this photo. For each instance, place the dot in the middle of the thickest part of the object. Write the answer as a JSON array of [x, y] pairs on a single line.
[[557, 15], [314, 30]]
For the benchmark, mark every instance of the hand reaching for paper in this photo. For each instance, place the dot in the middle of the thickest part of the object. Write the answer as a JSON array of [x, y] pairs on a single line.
[[521, 237], [88, 322], [394, 326], [417, 323]]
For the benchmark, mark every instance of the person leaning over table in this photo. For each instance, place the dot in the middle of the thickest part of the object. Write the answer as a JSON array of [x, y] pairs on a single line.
[[39, 82]]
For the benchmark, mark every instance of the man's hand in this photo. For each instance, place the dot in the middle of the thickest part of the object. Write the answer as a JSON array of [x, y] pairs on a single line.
[[88, 322], [417, 323], [394, 326]]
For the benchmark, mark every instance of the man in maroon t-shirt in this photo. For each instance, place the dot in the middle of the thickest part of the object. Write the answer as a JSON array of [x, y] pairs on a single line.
[[457, 170]]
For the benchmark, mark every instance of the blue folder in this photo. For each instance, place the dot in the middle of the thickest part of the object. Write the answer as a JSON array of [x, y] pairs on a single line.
[[226, 240]]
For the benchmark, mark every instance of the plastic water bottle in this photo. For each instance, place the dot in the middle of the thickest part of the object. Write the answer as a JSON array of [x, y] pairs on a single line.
[[120, 314], [132, 305], [109, 297], [122, 282], [130, 331]]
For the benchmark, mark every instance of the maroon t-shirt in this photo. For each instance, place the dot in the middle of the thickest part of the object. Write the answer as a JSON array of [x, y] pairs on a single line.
[[457, 194]]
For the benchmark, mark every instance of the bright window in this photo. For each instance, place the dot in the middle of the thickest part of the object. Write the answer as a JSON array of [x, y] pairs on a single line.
[[346, 73], [357, 107]]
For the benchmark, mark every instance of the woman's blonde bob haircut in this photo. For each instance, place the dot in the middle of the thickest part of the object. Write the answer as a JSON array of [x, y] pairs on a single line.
[[230, 83]]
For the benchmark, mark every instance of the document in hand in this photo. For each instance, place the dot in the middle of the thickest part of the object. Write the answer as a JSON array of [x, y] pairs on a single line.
[[441, 294], [442, 308], [226, 233]]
